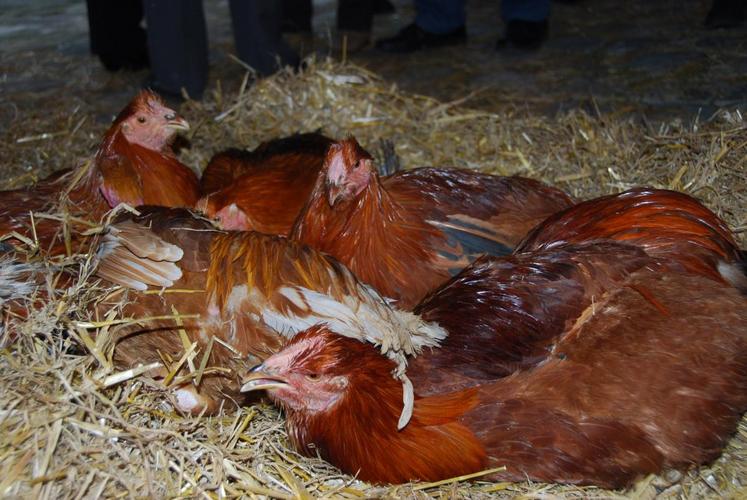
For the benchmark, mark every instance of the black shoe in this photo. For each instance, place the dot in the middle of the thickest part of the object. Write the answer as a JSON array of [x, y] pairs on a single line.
[[523, 34], [413, 37], [725, 14], [132, 61]]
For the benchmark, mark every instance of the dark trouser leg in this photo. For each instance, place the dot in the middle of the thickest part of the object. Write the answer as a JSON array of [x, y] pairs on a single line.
[[177, 42], [115, 33], [526, 23], [297, 16], [725, 14], [440, 16], [525, 10], [355, 15], [256, 29]]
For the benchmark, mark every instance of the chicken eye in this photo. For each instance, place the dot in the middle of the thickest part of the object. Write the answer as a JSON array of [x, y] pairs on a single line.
[[357, 165], [312, 376], [141, 119]]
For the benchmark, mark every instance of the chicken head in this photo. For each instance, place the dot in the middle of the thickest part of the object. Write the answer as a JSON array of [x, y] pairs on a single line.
[[349, 168], [308, 376], [147, 121]]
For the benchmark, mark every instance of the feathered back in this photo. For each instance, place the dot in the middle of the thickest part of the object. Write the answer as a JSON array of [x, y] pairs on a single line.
[[628, 390], [269, 263], [664, 223], [503, 314], [302, 287]]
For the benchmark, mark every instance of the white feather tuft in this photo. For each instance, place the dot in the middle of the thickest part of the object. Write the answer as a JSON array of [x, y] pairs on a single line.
[[734, 273], [16, 278], [366, 317]]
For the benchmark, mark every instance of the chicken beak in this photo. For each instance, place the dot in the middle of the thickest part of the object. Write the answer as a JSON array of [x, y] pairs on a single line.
[[334, 193], [257, 380], [178, 123]]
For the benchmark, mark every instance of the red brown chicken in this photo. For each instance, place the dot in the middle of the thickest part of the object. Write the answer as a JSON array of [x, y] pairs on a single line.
[[265, 189], [409, 232], [134, 164], [240, 296], [595, 360]]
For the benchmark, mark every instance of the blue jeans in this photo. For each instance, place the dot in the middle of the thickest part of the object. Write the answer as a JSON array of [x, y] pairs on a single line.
[[442, 16]]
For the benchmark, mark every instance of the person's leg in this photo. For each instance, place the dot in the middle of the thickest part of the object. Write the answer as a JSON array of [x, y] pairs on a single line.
[[297, 15], [437, 23], [177, 44], [725, 14], [354, 23], [355, 15], [384, 7], [256, 30], [116, 35], [440, 16], [525, 10], [526, 23]]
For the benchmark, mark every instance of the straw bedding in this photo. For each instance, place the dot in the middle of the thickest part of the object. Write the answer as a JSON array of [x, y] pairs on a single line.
[[71, 425]]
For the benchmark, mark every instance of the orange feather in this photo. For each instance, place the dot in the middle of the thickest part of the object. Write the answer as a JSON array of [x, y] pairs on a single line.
[[267, 187], [408, 232], [665, 223]]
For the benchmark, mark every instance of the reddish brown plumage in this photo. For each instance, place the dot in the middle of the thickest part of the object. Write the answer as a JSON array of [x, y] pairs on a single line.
[[408, 232], [665, 223], [134, 164], [591, 362], [249, 290], [528, 299], [268, 185]]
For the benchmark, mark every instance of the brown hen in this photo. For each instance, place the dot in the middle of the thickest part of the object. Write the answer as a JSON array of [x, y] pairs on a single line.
[[409, 232], [134, 164]]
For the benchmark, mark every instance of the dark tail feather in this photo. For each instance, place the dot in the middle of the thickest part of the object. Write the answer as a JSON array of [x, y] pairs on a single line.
[[390, 163], [469, 239], [311, 142], [473, 245]]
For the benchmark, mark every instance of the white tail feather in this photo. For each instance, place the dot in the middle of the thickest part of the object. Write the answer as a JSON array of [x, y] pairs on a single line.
[[366, 317]]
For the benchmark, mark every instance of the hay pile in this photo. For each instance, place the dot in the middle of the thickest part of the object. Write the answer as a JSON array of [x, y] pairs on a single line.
[[72, 426]]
